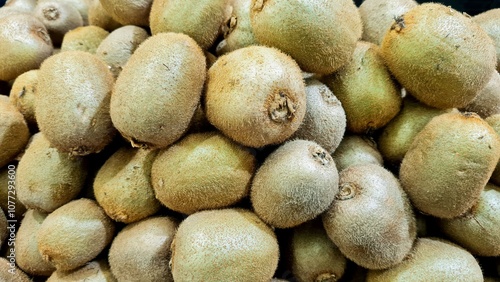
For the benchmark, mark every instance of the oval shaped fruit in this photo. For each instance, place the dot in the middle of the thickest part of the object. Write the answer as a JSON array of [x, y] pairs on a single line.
[[14, 132], [489, 21], [487, 102], [22, 95], [85, 38], [58, 17], [356, 150], [128, 12]]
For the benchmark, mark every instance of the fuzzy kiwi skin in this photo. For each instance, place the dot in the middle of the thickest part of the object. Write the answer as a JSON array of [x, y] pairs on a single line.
[[130, 12], [224, 245], [199, 19], [14, 132], [165, 75], [378, 16], [443, 260], [100, 17], [255, 96], [451, 78], [72, 103], [141, 251], [3, 227], [84, 38], [489, 22], [295, 184], [28, 257], [6, 175], [94, 271], [494, 122], [237, 30], [448, 164], [22, 95], [74, 234], [122, 187], [363, 226], [325, 118], [6, 275], [24, 45], [320, 36], [21, 5], [487, 102], [58, 17], [356, 150], [202, 171]]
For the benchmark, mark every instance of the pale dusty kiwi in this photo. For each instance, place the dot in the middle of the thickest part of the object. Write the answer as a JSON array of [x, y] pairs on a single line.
[[7, 188], [487, 102], [325, 119], [237, 30], [6, 11], [3, 227], [24, 44], [356, 150], [296, 183], [224, 245], [448, 164], [119, 45], [369, 95], [477, 230], [128, 12], [48, 178], [22, 95], [378, 16], [199, 19], [28, 257], [72, 103], [74, 234], [84, 38], [141, 251], [430, 256], [81, 5], [14, 132], [490, 22], [94, 271], [58, 17], [10, 272], [122, 187], [361, 223], [22, 5], [100, 17], [256, 96], [319, 35], [494, 122], [202, 171], [165, 75], [451, 77], [399, 133], [313, 255]]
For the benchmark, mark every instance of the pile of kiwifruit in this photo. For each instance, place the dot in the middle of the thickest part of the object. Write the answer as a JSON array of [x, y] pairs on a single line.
[[248, 140]]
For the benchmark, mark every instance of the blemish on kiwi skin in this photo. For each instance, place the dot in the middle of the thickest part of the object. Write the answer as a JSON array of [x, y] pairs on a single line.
[[326, 277], [346, 191], [327, 95], [281, 108], [51, 13], [22, 92], [320, 155], [399, 23]]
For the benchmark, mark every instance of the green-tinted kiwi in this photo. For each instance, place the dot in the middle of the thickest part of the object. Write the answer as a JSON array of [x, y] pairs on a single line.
[[141, 251], [490, 22], [371, 219], [3, 226], [130, 12], [356, 150], [100, 17], [237, 30], [13, 209], [22, 95], [14, 132], [487, 102], [58, 17], [224, 245], [84, 38], [10, 272], [494, 122], [94, 271], [448, 164]]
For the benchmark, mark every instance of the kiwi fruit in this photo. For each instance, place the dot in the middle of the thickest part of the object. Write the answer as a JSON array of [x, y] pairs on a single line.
[[434, 78], [489, 22], [94, 271], [72, 103], [22, 5], [141, 251], [494, 122], [255, 96], [199, 19], [325, 118], [158, 90], [363, 225], [98, 16], [84, 38], [28, 257], [122, 187], [369, 95], [397, 136], [441, 259], [7, 184], [487, 102], [119, 45], [356, 150], [58, 17], [313, 255], [130, 12], [3, 226], [378, 16], [22, 95], [319, 35], [448, 164], [24, 44], [10, 272], [81, 5], [296, 183], [202, 171], [237, 30], [224, 245], [14, 132]]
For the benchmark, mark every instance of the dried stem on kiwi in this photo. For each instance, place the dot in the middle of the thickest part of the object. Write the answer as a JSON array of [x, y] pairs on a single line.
[[399, 24], [326, 277], [320, 155], [347, 191], [51, 13], [281, 108]]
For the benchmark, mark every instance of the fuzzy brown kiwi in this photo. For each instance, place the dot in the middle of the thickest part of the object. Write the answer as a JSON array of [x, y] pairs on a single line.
[[202, 171], [256, 96], [356, 150], [448, 164], [130, 12], [224, 245], [100, 17], [494, 122], [295, 184], [3, 226], [319, 35], [490, 22], [24, 45], [430, 256], [22, 95], [361, 223], [74, 234], [84, 38], [487, 102], [165, 75], [94, 271], [10, 272], [7, 187], [14, 132], [369, 95], [58, 17], [451, 78], [72, 104], [141, 251]]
